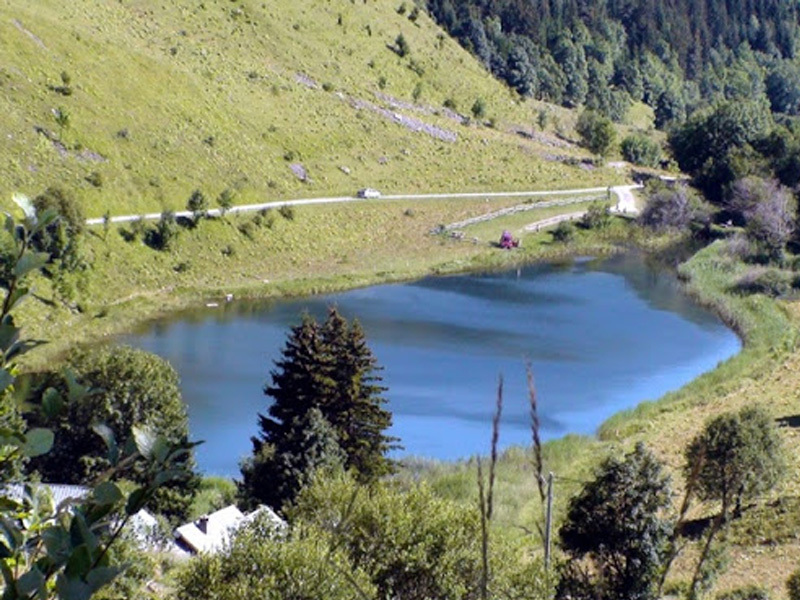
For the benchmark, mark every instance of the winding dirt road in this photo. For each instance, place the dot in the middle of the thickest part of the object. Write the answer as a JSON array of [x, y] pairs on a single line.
[[623, 191]]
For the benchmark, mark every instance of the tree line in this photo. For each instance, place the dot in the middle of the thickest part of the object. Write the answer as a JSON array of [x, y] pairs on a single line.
[[604, 54]]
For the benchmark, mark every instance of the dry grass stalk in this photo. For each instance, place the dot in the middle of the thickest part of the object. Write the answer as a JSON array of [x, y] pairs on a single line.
[[535, 427], [495, 438]]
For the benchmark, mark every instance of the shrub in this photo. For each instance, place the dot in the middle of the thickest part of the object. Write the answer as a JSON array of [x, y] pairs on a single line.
[[129, 388], [305, 563], [416, 67], [61, 238], [543, 118], [479, 108], [266, 218], [614, 532], [401, 47], [95, 178], [197, 204], [736, 457], [641, 150], [769, 214], [770, 282], [674, 208], [564, 232], [598, 216], [165, 232], [225, 200], [287, 212], [793, 585], [738, 246], [450, 103], [597, 132], [247, 229], [413, 544], [750, 592]]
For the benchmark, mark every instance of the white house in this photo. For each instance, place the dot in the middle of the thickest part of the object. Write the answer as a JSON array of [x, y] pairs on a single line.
[[210, 533]]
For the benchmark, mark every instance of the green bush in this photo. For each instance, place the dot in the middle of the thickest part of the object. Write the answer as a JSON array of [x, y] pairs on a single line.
[[61, 238], [793, 585], [479, 108], [304, 564], [248, 229], [197, 204], [750, 592], [597, 132], [597, 216], [415, 545], [165, 233], [401, 47], [770, 282], [225, 200], [130, 388], [287, 212], [95, 178], [641, 150], [564, 232]]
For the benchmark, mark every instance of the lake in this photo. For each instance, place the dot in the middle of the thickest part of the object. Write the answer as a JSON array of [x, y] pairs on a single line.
[[602, 335]]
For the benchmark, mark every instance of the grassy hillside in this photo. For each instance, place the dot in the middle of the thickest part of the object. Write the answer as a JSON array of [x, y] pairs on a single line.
[[164, 98], [131, 106]]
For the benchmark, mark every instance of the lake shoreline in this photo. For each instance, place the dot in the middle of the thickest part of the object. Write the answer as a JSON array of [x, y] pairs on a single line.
[[640, 290], [149, 308]]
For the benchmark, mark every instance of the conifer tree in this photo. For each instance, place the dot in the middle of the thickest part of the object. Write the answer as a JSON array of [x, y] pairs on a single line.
[[356, 408], [327, 410]]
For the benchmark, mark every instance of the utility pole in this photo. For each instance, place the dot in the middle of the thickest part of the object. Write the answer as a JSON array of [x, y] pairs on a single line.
[[548, 521]]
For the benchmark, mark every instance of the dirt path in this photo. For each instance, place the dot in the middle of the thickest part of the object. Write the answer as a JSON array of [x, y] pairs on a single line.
[[626, 205]]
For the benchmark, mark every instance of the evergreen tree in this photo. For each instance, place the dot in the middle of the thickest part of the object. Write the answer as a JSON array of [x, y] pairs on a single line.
[[356, 408], [277, 473], [327, 410], [299, 381]]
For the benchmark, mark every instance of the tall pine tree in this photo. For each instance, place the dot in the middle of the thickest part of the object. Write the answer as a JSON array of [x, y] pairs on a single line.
[[327, 409], [355, 408]]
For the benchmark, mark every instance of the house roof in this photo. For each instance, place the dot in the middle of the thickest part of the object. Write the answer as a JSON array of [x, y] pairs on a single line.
[[142, 524], [212, 532], [59, 491]]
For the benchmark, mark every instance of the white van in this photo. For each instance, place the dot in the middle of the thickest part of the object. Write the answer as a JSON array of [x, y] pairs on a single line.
[[368, 193]]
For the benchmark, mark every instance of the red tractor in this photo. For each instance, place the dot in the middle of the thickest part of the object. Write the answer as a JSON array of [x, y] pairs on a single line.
[[507, 241]]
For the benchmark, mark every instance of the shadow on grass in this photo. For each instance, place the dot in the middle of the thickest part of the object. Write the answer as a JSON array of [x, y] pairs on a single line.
[[792, 421]]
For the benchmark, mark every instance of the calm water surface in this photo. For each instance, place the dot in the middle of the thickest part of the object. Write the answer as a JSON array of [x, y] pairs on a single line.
[[602, 335]]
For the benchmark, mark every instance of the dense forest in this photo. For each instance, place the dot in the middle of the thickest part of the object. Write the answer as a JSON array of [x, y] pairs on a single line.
[[675, 56]]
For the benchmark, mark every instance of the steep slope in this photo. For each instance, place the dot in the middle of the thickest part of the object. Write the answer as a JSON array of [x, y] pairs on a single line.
[[156, 100]]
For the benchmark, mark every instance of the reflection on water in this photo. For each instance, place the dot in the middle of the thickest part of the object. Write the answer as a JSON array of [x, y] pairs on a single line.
[[602, 335]]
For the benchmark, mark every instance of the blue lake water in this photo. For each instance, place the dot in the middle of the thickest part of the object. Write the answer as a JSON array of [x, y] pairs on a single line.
[[601, 335]]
